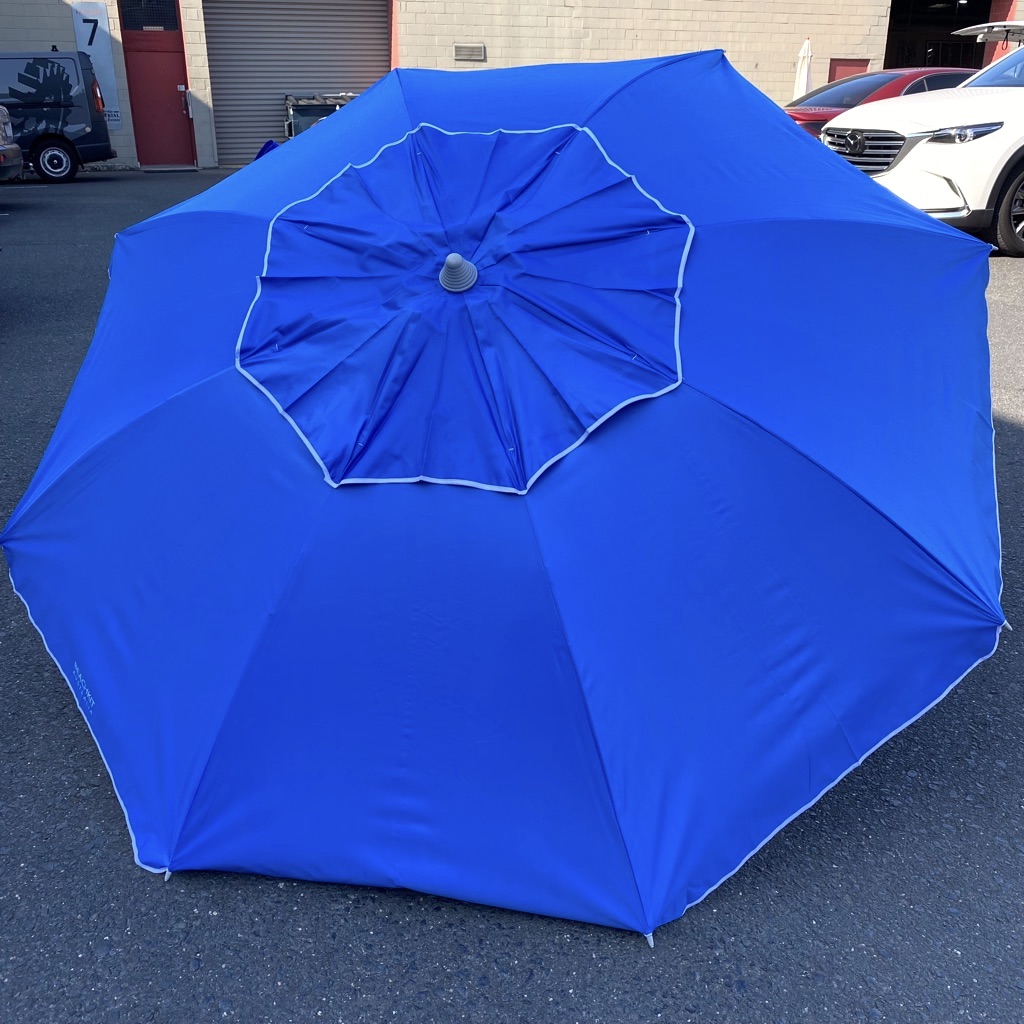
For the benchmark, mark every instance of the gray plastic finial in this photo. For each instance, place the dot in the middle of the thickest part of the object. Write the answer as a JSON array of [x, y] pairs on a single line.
[[457, 274]]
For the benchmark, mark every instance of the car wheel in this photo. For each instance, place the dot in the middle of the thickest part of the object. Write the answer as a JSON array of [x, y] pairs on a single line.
[[55, 161], [1007, 231]]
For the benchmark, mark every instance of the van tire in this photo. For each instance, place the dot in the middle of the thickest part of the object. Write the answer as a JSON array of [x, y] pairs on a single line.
[[55, 161], [1007, 230]]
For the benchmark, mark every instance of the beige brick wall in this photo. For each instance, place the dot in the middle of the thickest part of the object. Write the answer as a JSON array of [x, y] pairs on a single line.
[[761, 39], [40, 24], [35, 25], [198, 69]]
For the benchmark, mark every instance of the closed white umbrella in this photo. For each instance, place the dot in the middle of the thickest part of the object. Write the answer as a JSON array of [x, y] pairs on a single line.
[[803, 70]]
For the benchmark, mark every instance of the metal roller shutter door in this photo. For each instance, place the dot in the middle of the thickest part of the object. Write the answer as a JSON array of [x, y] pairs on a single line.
[[260, 50]]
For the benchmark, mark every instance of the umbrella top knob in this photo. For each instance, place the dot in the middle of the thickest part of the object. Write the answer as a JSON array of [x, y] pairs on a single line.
[[457, 274]]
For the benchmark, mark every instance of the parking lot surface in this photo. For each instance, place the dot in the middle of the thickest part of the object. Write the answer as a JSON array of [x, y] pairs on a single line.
[[896, 898]]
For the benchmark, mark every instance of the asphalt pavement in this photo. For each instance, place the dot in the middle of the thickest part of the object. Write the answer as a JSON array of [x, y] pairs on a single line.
[[898, 897]]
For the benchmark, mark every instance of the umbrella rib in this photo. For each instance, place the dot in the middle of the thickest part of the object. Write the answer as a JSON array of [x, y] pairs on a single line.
[[288, 582], [433, 407], [423, 174], [484, 174], [606, 341], [414, 127], [407, 228], [590, 719], [611, 237], [975, 599], [375, 419], [614, 234], [533, 360], [19, 511], [660, 66], [399, 74], [512, 429], [531, 184], [909, 223], [338, 365]]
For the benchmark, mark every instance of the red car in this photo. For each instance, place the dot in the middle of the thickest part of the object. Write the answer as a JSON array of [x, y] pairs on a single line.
[[820, 105]]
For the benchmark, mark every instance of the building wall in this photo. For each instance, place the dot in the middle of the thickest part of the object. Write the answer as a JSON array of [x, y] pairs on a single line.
[[198, 69], [35, 25], [40, 24], [761, 39], [1002, 10]]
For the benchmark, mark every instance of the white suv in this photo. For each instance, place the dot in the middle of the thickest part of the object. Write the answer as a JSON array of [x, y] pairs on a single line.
[[957, 154]]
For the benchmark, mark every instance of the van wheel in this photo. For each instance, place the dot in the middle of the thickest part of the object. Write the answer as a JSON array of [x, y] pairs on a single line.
[[55, 161], [1007, 231]]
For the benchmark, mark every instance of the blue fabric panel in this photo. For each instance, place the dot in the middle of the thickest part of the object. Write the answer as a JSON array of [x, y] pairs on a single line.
[[411, 717], [742, 647], [790, 338], [153, 582], [891, 395], [161, 331]]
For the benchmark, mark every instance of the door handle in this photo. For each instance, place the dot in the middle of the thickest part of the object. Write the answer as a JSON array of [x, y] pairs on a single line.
[[186, 100]]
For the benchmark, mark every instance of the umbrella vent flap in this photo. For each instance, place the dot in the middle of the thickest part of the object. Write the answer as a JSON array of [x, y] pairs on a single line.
[[559, 305]]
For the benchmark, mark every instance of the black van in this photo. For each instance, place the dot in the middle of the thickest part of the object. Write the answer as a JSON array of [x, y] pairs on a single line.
[[56, 109]]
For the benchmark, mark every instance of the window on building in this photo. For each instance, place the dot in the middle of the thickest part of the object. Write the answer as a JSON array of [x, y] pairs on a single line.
[[149, 15]]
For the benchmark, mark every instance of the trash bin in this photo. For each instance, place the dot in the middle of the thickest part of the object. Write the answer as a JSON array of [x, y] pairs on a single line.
[[302, 111]]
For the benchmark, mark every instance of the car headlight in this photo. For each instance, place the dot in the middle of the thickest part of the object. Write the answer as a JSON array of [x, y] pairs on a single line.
[[965, 132]]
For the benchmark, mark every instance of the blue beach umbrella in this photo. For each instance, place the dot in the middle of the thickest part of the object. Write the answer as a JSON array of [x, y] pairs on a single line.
[[467, 497]]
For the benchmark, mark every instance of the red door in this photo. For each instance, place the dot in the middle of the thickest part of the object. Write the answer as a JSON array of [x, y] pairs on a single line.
[[839, 67], [154, 56]]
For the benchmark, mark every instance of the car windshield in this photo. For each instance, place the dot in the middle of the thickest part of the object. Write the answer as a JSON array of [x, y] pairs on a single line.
[[846, 93], [1007, 72]]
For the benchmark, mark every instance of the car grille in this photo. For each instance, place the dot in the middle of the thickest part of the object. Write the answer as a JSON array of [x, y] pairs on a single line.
[[872, 152]]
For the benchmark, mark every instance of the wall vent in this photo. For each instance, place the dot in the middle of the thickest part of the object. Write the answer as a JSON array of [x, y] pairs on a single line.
[[470, 51]]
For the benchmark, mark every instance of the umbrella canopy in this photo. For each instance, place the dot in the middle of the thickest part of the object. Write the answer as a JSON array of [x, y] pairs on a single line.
[[803, 86], [465, 497]]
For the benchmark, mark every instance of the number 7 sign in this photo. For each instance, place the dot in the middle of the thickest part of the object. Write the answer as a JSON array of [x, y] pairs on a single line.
[[92, 35]]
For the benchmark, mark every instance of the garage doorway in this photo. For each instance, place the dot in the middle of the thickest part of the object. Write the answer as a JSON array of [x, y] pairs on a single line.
[[920, 33], [263, 50]]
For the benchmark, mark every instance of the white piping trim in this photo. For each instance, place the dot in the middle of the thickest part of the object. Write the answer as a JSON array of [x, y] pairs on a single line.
[[764, 842], [454, 480], [85, 718], [995, 490]]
